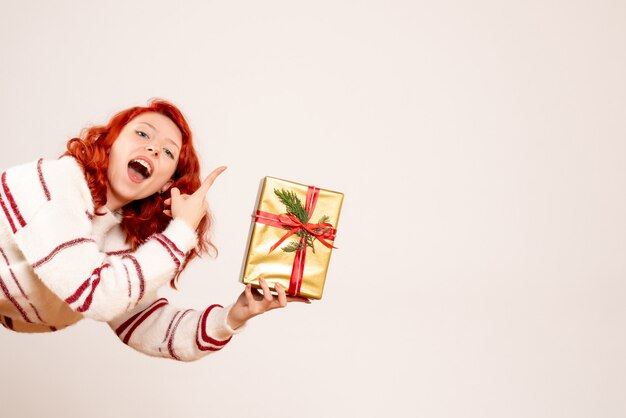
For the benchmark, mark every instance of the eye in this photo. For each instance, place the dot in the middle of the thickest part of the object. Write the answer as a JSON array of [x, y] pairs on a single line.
[[169, 153], [142, 134]]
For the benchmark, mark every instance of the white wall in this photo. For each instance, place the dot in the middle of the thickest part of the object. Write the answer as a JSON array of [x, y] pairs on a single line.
[[481, 269]]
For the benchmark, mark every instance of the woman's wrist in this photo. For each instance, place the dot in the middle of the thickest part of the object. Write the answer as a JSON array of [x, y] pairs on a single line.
[[232, 319]]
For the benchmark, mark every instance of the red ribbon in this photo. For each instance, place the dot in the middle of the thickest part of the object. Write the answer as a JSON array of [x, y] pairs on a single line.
[[323, 231]]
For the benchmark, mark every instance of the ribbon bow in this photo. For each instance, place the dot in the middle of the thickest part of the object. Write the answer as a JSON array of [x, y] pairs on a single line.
[[322, 231]]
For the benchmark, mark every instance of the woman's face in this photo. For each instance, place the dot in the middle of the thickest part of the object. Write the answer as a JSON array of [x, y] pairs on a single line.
[[143, 158]]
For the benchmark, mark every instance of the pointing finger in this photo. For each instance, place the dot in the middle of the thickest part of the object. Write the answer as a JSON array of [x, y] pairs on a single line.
[[208, 181]]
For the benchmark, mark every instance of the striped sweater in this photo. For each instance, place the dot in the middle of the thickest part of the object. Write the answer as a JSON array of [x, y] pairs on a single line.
[[60, 263]]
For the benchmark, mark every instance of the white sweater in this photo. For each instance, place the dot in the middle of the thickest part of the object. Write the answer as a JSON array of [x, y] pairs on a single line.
[[59, 263]]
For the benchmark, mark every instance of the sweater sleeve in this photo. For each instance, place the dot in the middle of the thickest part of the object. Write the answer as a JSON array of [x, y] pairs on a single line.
[[162, 330], [48, 207]]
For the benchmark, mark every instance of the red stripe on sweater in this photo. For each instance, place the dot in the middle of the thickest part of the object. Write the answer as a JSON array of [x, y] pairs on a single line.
[[169, 327], [170, 343], [142, 283], [19, 286], [59, 248], [12, 203], [89, 297], [164, 244], [41, 179], [128, 281], [15, 303], [140, 320], [119, 252], [208, 348], [172, 245], [7, 214], [201, 333], [77, 294], [119, 330], [94, 284]]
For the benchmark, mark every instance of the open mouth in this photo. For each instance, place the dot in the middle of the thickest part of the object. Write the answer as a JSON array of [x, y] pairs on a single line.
[[139, 170]]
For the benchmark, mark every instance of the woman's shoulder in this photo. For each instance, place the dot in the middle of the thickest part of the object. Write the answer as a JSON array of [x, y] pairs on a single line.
[[39, 170], [47, 180], [66, 166], [67, 178]]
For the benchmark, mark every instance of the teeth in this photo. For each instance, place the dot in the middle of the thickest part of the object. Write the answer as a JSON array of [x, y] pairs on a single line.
[[146, 165]]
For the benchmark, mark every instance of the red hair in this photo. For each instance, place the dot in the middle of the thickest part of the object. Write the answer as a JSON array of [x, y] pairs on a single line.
[[141, 218]]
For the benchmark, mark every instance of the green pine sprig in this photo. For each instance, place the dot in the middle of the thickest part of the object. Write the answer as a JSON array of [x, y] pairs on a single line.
[[323, 219], [292, 247], [294, 206]]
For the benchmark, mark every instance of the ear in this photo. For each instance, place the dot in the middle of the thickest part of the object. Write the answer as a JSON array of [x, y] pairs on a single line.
[[166, 186]]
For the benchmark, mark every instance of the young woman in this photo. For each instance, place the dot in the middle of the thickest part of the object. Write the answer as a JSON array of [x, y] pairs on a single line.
[[98, 231]]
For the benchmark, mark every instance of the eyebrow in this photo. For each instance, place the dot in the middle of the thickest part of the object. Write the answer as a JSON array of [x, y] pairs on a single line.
[[155, 129]]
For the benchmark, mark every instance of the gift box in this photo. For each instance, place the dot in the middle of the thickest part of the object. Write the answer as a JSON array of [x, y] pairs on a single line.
[[292, 237]]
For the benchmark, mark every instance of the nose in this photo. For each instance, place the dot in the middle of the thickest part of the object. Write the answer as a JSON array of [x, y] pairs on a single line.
[[151, 149]]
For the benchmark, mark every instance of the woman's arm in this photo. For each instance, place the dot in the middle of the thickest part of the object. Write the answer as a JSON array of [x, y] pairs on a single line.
[[47, 206], [162, 330]]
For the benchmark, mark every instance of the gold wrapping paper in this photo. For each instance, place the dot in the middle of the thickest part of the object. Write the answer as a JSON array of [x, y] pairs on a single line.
[[276, 266]]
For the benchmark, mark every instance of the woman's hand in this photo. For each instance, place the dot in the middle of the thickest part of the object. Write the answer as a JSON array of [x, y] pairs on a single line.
[[253, 302], [191, 208]]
